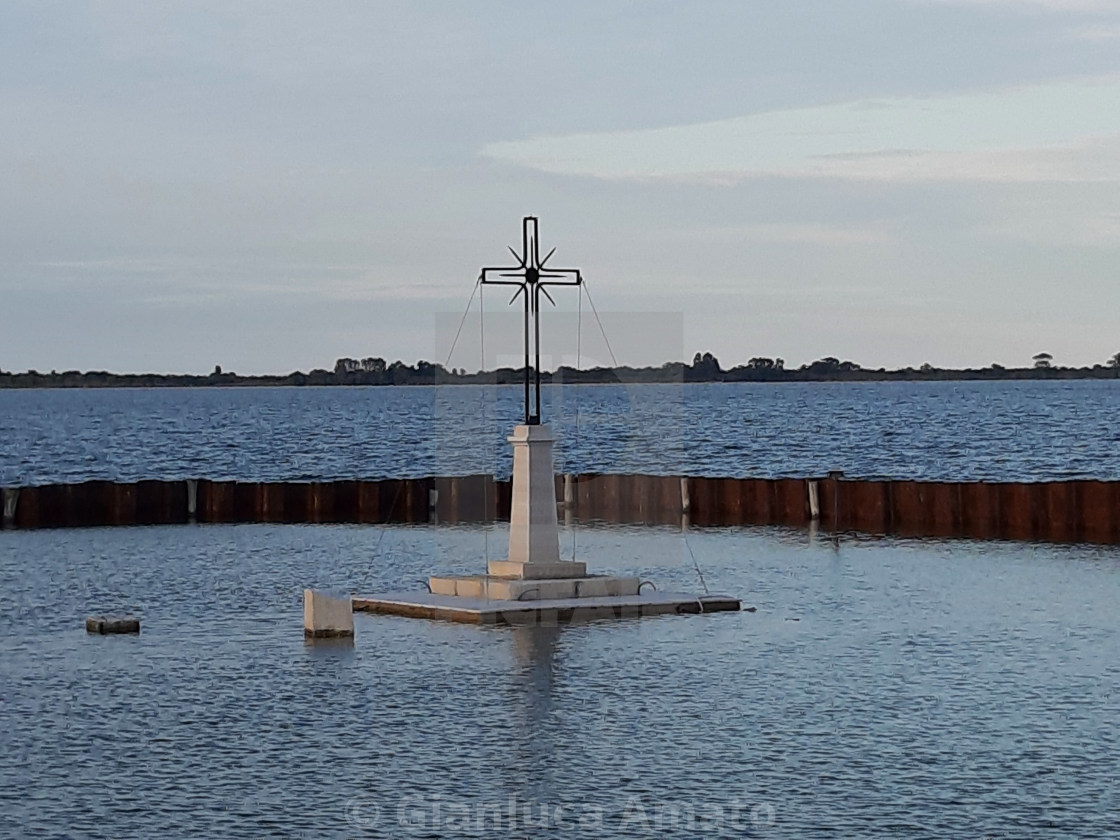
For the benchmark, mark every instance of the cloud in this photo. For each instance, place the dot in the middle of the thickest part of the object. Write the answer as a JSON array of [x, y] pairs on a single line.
[[1099, 32], [788, 234], [124, 265], [1044, 225], [1061, 131], [1046, 5]]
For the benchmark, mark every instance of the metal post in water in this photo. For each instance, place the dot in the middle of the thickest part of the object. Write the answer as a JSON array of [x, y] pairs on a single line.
[[814, 501], [11, 499]]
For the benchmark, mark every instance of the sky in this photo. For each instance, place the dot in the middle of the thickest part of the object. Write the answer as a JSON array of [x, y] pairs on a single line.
[[269, 185]]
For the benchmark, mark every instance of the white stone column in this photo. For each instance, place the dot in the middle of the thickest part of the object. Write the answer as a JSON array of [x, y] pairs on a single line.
[[533, 534], [534, 538]]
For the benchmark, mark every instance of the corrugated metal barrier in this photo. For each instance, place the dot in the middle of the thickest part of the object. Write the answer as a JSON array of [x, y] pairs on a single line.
[[1061, 511]]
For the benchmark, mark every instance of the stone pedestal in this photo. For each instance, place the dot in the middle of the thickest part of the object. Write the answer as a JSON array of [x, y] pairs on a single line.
[[534, 539], [533, 535]]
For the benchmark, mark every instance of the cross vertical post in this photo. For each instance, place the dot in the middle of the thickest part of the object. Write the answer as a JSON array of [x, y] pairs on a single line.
[[531, 275]]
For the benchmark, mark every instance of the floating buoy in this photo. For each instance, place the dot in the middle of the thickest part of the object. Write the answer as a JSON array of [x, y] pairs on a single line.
[[104, 624]]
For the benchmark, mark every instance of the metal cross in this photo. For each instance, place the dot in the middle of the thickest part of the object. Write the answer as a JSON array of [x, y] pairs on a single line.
[[531, 276]]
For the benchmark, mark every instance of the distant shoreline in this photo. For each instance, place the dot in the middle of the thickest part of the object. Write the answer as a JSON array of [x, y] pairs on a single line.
[[399, 374]]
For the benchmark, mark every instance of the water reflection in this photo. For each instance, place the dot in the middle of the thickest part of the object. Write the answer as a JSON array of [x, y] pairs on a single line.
[[535, 655], [534, 647], [328, 648], [536, 660]]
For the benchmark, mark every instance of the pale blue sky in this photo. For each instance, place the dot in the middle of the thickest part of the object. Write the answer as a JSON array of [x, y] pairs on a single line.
[[270, 185]]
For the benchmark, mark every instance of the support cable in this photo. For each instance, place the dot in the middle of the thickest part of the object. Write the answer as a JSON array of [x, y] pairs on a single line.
[[614, 361], [579, 370], [401, 482], [579, 358], [384, 526], [463, 320], [486, 480], [599, 321], [696, 566]]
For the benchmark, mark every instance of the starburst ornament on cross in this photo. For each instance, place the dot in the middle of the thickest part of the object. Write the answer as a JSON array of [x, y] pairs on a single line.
[[531, 275]]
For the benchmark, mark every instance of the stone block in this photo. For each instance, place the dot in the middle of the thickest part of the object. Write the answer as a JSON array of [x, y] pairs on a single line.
[[537, 571], [326, 617], [472, 586], [491, 588], [442, 585], [467, 586]]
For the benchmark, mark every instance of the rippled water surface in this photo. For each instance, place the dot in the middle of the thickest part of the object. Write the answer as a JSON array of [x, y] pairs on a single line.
[[935, 430], [886, 689]]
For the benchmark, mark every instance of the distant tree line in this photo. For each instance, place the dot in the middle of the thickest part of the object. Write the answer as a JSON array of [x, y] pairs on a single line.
[[375, 371]]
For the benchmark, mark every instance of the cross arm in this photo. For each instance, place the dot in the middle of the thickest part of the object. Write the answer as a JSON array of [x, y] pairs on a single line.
[[561, 277], [503, 271]]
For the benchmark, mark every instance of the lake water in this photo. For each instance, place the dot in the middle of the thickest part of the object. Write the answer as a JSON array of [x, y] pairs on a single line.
[[934, 430], [883, 689]]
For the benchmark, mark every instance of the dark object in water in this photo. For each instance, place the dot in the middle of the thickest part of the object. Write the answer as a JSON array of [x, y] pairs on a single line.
[[103, 624]]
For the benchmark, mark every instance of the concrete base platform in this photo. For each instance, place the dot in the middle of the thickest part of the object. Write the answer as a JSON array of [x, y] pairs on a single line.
[[553, 611]]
